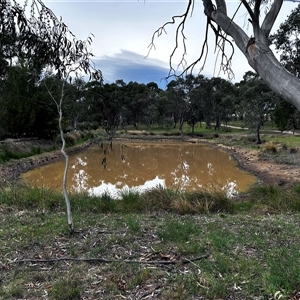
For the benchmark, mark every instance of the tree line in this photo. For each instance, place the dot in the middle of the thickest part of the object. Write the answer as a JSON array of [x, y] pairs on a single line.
[[28, 110]]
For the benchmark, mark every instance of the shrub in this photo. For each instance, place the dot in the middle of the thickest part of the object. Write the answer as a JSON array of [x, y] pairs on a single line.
[[284, 146], [70, 139], [77, 135], [293, 150], [209, 200], [158, 199], [131, 201], [271, 147]]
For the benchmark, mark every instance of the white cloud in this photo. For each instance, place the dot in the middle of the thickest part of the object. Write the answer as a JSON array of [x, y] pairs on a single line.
[[124, 28], [131, 66]]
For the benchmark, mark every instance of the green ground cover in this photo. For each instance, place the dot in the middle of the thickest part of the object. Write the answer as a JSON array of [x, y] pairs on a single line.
[[154, 244]]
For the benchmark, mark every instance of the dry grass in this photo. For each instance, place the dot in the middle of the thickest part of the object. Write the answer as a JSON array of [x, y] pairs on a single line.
[[271, 147]]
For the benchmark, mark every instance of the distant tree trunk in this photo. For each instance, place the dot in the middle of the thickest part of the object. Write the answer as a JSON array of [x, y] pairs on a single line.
[[217, 125], [181, 121], [258, 135], [193, 128]]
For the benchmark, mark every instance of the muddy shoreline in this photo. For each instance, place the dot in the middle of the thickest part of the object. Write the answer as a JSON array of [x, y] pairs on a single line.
[[11, 171], [266, 171]]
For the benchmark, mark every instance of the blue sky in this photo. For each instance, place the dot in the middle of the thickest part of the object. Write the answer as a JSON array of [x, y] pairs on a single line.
[[123, 31]]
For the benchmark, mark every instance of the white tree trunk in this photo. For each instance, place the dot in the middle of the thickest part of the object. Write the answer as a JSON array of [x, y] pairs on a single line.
[[65, 191]]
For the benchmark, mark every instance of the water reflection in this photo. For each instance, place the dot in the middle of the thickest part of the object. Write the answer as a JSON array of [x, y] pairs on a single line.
[[140, 166]]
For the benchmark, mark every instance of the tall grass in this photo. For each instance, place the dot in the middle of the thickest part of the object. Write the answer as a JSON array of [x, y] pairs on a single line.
[[258, 198], [274, 199], [6, 154]]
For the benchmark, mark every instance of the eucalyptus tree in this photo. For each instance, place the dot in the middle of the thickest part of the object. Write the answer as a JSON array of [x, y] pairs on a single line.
[[164, 108], [257, 102], [135, 102], [178, 92], [286, 117], [111, 101], [76, 107], [93, 100], [196, 113], [17, 102], [76, 62], [205, 94], [287, 42], [261, 16], [151, 114], [220, 104], [35, 34], [26, 109]]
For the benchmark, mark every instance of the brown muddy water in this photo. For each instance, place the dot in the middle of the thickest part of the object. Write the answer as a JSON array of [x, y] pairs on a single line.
[[140, 166]]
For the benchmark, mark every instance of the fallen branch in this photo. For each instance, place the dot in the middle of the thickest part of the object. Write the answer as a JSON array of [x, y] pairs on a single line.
[[103, 260]]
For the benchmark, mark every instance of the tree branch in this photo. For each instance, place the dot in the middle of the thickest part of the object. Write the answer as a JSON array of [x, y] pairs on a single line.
[[257, 8], [103, 260], [233, 30], [249, 10], [179, 30], [221, 6], [271, 17]]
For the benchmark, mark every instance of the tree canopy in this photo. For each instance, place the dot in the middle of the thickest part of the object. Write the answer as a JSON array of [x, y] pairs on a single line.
[[33, 33], [256, 48], [287, 41]]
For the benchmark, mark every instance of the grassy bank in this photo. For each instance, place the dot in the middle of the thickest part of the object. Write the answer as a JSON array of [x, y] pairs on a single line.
[[158, 245], [13, 149]]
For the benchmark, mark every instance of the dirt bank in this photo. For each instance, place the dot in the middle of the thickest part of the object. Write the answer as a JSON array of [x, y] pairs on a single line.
[[267, 171], [10, 171]]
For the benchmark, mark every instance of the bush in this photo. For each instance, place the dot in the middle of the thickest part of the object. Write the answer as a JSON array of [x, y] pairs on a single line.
[[293, 150], [88, 126], [271, 147], [284, 146], [70, 139]]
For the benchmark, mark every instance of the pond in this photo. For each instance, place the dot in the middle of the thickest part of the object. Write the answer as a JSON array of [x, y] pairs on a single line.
[[143, 165]]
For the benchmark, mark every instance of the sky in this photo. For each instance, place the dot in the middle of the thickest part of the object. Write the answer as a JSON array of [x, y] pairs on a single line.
[[123, 31]]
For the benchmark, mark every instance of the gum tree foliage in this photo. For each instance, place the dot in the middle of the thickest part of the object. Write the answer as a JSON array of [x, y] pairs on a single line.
[[257, 102], [17, 100], [177, 91], [32, 32], [286, 117], [261, 17], [287, 42], [26, 108]]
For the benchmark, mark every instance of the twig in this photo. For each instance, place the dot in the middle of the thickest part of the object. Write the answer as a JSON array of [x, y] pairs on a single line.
[[103, 260]]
